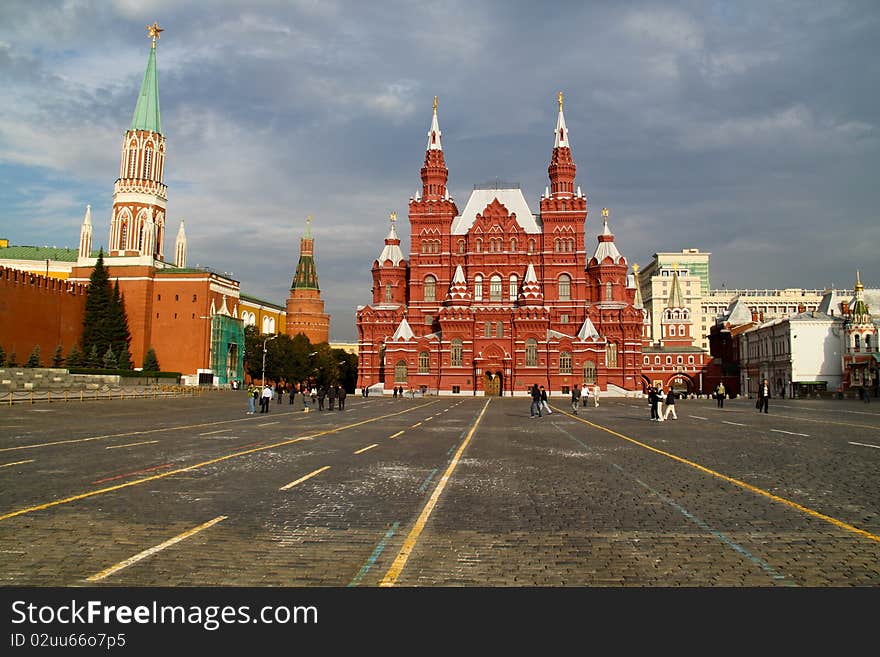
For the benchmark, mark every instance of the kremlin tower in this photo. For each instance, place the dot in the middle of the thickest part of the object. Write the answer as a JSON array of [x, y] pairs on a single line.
[[305, 308]]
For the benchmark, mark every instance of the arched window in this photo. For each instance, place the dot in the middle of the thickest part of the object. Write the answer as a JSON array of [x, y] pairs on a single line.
[[531, 246], [681, 331], [387, 291], [565, 287], [499, 329], [513, 244], [531, 352], [461, 246], [679, 360], [669, 360], [479, 245], [456, 353], [609, 292], [647, 360], [272, 325], [265, 324], [556, 245], [424, 362], [400, 372], [857, 342], [656, 360], [478, 288], [611, 355], [565, 363], [495, 288], [867, 343], [671, 330], [487, 330], [690, 360], [132, 159], [589, 373], [514, 287], [148, 161], [430, 288]]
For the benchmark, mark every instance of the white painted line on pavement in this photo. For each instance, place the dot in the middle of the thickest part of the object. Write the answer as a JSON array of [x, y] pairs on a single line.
[[266, 424], [146, 442], [791, 433], [698, 417], [865, 445], [734, 423], [211, 433]]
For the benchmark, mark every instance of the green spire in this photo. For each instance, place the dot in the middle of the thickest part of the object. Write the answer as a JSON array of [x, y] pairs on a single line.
[[306, 276], [146, 113]]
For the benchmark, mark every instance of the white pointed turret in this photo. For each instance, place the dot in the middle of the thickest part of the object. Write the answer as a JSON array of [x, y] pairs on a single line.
[[403, 332], [434, 133], [85, 234], [180, 247], [607, 248], [531, 289], [561, 129], [588, 331], [392, 249], [458, 290]]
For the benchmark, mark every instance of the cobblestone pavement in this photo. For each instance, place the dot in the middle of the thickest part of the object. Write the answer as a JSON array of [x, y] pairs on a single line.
[[191, 491]]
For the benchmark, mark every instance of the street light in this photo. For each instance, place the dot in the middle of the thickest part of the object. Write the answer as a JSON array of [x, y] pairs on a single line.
[[263, 380]]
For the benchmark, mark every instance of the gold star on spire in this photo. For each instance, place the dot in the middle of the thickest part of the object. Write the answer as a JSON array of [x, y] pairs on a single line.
[[153, 31], [635, 268], [605, 213], [435, 104], [559, 98], [393, 215]]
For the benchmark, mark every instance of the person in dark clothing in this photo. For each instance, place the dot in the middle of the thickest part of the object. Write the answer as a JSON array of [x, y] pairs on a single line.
[[764, 396], [536, 401], [322, 392], [670, 404], [331, 394], [653, 400], [341, 397], [575, 398], [720, 393]]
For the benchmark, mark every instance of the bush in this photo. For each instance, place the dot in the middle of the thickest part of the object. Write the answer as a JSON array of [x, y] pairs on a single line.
[[34, 359], [151, 363], [58, 358]]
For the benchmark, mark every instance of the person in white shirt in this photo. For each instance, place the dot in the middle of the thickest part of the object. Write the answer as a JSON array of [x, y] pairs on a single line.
[[266, 398]]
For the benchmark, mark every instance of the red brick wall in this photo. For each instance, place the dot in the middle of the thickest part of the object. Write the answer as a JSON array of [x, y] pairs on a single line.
[[35, 310]]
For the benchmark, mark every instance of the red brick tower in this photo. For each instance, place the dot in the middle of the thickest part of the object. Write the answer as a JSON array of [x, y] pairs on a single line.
[[305, 308]]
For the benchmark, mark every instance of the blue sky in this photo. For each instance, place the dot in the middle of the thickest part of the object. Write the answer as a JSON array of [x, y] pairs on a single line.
[[747, 129]]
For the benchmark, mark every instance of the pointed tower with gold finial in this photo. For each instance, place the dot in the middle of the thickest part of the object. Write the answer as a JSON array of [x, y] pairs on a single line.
[[305, 308], [137, 223]]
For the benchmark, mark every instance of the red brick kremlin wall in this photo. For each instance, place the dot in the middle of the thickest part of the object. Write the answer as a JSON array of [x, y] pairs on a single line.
[[36, 310]]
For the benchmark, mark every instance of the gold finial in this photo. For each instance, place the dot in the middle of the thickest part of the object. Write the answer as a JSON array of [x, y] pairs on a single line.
[[859, 285], [605, 213], [675, 266], [393, 215], [435, 104], [636, 268], [153, 32], [308, 218], [559, 98]]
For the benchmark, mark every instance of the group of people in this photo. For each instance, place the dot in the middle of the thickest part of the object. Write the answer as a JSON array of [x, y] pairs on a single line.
[[398, 392], [581, 396], [539, 401], [335, 394], [657, 398]]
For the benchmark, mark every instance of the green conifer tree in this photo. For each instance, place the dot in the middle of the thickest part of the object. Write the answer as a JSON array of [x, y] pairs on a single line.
[[2, 357], [109, 360], [34, 359], [151, 363], [120, 336], [99, 299], [13, 360], [58, 358], [75, 357], [93, 360]]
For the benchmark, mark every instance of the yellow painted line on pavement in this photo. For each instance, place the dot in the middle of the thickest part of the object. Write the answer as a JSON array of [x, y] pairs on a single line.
[[9, 465], [361, 451], [417, 424], [395, 435], [400, 560], [306, 478], [146, 442], [153, 550], [760, 491], [137, 433], [170, 473]]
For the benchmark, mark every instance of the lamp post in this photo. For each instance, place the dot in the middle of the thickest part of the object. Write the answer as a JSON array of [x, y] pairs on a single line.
[[267, 340]]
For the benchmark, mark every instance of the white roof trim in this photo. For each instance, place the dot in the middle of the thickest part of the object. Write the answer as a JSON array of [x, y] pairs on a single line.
[[512, 199], [403, 332]]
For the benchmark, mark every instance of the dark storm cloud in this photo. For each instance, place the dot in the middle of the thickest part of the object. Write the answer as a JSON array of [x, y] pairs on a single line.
[[746, 129]]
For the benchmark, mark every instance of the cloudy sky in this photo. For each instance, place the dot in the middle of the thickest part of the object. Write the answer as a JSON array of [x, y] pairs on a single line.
[[747, 129]]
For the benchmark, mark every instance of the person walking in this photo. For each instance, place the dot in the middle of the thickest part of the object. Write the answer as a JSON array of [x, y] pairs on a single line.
[[266, 398], [544, 401], [866, 395], [670, 404], [652, 400], [536, 401], [280, 392], [341, 397], [331, 394], [719, 394], [764, 396], [661, 397], [585, 396], [575, 398], [596, 396], [322, 392], [251, 399]]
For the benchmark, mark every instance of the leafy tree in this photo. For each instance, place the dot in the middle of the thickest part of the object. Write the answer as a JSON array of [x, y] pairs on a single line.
[[58, 358], [109, 360], [34, 359], [151, 363], [75, 357], [13, 360], [253, 351], [348, 368], [2, 357]]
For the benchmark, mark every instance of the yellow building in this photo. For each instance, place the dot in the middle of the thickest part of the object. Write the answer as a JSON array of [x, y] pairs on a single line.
[[269, 318]]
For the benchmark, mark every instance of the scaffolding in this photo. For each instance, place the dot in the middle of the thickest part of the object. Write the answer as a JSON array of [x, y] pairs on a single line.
[[227, 349]]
